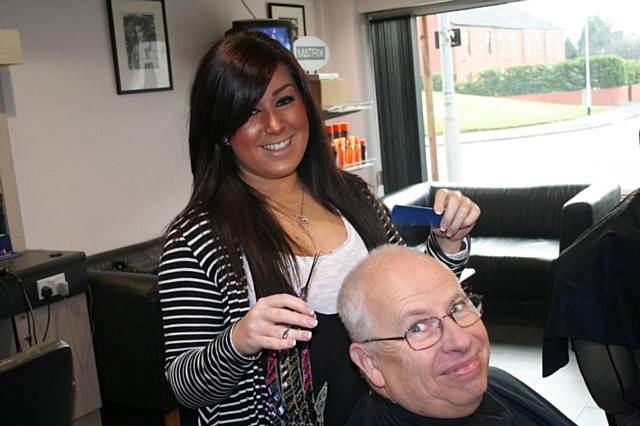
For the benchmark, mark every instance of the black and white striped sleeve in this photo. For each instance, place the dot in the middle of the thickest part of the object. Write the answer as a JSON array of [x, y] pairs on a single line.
[[202, 365], [456, 263]]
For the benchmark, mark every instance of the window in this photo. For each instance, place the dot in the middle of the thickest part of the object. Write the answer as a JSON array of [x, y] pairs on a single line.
[[513, 90], [487, 42], [548, 44], [466, 42], [538, 44]]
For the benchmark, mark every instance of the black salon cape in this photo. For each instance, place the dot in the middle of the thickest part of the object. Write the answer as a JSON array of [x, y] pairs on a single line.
[[595, 294], [507, 402]]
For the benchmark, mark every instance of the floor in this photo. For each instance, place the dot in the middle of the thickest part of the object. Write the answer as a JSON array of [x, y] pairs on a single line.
[[517, 348]]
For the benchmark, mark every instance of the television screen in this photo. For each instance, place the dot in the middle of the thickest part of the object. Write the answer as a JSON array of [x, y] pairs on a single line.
[[277, 33], [277, 29]]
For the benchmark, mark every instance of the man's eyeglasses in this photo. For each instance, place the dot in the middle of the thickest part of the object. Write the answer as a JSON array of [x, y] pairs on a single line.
[[428, 331]]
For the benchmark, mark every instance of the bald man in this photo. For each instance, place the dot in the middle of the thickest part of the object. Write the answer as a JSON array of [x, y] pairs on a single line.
[[420, 343]]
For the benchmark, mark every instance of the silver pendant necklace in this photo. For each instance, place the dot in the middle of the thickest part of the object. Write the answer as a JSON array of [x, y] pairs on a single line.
[[303, 219]]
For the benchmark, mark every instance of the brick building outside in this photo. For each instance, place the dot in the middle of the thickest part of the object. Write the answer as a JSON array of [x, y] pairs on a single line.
[[495, 38]]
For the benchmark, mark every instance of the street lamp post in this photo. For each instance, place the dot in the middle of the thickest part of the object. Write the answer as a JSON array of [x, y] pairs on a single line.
[[451, 132], [587, 66]]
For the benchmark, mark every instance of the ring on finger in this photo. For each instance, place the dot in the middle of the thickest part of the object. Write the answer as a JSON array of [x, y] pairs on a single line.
[[285, 333]]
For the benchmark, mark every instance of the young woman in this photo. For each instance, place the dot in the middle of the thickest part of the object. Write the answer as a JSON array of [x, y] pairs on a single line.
[[251, 268]]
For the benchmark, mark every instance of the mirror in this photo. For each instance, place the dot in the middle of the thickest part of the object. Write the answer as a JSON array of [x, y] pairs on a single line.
[[5, 241], [10, 217], [3, 221]]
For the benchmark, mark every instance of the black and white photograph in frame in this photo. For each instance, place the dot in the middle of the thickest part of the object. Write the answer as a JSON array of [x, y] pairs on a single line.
[[290, 12], [140, 45]]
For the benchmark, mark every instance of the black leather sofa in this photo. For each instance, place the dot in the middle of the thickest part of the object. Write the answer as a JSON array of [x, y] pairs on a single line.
[[521, 230], [128, 338]]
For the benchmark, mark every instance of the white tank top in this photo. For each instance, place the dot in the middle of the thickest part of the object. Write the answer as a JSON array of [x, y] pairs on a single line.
[[328, 275]]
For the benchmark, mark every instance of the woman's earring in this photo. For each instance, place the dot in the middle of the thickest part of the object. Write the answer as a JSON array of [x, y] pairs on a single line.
[[225, 141]]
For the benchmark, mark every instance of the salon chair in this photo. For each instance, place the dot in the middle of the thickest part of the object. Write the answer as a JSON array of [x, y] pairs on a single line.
[[129, 338], [37, 386], [595, 307]]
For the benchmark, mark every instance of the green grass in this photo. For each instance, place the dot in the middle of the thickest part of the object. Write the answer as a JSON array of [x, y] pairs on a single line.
[[488, 113]]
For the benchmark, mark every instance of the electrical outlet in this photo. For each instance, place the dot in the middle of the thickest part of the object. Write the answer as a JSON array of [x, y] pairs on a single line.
[[57, 283]]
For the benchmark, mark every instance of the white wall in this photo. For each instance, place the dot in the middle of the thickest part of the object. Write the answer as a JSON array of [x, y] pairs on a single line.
[[346, 32], [96, 170]]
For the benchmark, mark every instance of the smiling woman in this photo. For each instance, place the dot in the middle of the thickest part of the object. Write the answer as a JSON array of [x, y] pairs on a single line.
[[251, 268]]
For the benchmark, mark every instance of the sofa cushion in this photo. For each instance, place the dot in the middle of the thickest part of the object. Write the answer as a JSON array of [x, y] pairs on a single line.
[[512, 268], [533, 248], [508, 278]]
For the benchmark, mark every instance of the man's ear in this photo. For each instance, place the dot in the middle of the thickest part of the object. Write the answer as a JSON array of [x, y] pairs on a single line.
[[362, 356]]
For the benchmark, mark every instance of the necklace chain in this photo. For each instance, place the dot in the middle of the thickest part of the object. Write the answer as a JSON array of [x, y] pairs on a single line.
[[301, 219]]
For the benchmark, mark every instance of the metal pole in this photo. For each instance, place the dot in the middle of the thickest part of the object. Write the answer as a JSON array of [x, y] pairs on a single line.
[[587, 66], [428, 93], [451, 131]]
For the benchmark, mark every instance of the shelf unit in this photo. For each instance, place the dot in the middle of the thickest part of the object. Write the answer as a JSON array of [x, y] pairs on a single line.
[[369, 162], [365, 169], [340, 110]]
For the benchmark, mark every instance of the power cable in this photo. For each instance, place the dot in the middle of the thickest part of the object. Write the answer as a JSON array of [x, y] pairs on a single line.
[[245, 5], [13, 319], [28, 308]]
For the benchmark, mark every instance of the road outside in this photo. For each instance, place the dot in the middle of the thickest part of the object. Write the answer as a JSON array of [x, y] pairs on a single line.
[[603, 147]]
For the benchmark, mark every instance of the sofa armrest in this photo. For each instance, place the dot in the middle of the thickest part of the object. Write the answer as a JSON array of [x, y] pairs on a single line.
[[140, 258], [129, 340], [585, 209]]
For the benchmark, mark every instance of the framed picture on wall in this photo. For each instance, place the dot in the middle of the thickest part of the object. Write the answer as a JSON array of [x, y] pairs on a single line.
[[140, 45], [291, 12]]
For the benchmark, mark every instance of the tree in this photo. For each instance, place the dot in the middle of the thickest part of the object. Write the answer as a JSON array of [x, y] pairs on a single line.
[[628, 47], [600, 37], [571, 52]]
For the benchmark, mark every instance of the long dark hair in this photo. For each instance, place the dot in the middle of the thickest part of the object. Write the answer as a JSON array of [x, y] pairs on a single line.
[[231, 79]]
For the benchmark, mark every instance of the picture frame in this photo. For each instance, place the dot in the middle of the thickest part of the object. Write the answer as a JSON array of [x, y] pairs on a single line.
[[140, 45], [291, 12]]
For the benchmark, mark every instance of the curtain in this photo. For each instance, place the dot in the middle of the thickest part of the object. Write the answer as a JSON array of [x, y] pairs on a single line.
[[402, 146]]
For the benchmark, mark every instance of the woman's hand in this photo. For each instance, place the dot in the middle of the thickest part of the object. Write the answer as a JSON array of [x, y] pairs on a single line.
[[460, 216], [273, 323]]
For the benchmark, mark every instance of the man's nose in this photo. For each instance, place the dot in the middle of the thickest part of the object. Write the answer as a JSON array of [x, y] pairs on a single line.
[[273, 124], [454, 337]]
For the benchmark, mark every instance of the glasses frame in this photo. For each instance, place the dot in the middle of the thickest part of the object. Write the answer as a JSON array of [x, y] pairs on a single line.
[[441, 324]]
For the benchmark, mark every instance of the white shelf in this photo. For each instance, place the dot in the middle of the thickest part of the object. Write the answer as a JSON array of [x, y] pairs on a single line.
[[339, 110], [369, 162]]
